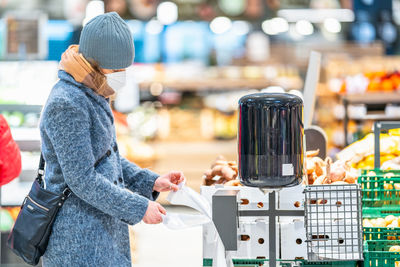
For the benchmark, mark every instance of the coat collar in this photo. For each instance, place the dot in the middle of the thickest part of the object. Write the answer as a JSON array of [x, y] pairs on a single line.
[[101, 100]]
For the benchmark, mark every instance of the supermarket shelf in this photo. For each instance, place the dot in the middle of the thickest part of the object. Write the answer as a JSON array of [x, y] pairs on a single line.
[[28, 145], [217, 84], [28, 139], [27, 175], [21, 108], [372, 98], [213, 84], [13, 193], [376, 117]]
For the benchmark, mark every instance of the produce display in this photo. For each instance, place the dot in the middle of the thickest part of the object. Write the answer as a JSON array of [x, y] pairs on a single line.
[[199, 77], [225, 125], [176, 124], [360, 154], [130, 145], [19, 119], [388, 221], [222, 172], [8, 215], [318, 171], [183, 124], [321, 171], [381, 233], [136, 151], [378, 81], [141, 123], [224, 112], [14, 211], [395, 249], [386, 185]]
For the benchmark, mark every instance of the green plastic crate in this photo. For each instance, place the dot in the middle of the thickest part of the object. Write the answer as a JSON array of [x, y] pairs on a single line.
[[380, 212], [330, 264], [376, 254], [238, 262], [381, 233], [379, 196], [302, 263]]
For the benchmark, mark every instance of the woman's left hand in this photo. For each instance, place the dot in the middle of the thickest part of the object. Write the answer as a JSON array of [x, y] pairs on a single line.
[[168, 182]]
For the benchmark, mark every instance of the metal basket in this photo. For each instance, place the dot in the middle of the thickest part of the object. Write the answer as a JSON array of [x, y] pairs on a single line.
[[333, 222]]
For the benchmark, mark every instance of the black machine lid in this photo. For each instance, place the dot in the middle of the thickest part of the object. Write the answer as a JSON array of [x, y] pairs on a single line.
[[272, 99]]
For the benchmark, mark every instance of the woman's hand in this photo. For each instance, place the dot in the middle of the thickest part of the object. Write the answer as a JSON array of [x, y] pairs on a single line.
[[153, 213], [168, 182]]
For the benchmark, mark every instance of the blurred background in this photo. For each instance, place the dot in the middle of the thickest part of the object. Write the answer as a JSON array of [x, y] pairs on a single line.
[[194, 60]]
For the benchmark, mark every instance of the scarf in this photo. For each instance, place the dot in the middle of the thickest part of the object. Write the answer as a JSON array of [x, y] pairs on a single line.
[[83, 72]]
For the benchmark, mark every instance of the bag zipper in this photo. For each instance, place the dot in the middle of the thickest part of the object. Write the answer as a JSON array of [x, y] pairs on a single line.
[[37, 204]]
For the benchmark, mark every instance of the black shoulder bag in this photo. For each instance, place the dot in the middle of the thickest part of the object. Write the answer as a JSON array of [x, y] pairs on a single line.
[[30, 234]]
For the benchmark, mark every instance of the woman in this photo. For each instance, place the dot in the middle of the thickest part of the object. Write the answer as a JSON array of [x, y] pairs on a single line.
[[10, 157], [80, 149]]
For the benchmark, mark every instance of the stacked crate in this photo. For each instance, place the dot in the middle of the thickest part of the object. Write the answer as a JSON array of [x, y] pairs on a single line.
[[380, 198], [284, 263], [333, 204]]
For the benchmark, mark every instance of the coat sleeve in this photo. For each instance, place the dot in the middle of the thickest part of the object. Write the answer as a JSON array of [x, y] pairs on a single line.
[[139, 180], [67, 125]]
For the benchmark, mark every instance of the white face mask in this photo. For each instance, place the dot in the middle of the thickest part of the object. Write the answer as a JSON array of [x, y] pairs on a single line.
[[116, 80]]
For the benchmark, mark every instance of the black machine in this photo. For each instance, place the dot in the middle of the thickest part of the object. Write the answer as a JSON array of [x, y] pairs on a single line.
[[270, 140], [271, 147]]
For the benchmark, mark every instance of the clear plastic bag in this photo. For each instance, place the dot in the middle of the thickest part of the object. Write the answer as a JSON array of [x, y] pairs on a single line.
[[177, 221], [186, 196]]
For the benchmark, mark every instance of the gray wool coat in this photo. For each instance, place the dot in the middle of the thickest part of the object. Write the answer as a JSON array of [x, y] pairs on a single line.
[[91, 229]]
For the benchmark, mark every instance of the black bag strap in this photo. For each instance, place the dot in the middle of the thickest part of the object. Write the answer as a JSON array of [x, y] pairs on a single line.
[[66, 192], [40, 169]]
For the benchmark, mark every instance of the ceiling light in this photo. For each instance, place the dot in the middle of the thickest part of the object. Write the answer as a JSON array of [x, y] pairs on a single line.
[[93, 9], [240, 27], [167, 13], [304, 27], [220, 25], [268, 28], [275, 26], [316, 15], [332, 25], [154, 27]]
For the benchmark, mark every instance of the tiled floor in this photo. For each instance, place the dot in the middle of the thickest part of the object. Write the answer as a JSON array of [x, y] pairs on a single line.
[[156, 245]]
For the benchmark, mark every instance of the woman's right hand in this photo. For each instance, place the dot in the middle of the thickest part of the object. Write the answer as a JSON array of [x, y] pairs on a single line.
[[153, 213]]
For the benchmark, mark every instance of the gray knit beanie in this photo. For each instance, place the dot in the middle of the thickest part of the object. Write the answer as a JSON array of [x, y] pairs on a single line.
[[107, 40]]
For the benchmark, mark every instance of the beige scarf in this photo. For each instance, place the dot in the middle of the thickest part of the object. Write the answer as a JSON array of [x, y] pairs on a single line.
[[78, 67]]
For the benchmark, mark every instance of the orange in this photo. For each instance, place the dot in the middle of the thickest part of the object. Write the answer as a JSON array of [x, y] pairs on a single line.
[[380, 74], [369, 75], [387, 85], [396, 81], [343, 88], [373, 86]]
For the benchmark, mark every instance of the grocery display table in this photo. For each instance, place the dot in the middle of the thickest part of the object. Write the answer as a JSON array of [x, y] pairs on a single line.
[[371, 100]]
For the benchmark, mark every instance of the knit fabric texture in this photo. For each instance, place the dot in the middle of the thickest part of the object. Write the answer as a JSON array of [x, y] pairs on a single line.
[[91, 228], [107, 40]]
